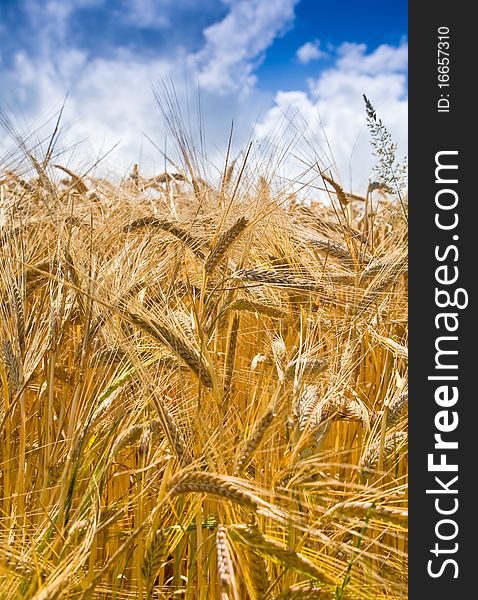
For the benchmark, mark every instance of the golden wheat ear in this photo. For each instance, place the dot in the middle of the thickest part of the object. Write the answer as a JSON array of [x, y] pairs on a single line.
[[224, 243]]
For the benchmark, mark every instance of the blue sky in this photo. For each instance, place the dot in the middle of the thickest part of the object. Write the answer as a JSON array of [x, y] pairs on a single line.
[[283, 69]]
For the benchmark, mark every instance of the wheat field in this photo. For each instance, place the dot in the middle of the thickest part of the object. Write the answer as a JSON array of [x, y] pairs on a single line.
[[204, 387]]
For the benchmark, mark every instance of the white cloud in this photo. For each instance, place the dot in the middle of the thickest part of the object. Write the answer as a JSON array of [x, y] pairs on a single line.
[[50, 20], [235, 45], [332, 111], [147, 13], [111, 101], [163, 14], [308, 52], [110, 98], [385, 59]]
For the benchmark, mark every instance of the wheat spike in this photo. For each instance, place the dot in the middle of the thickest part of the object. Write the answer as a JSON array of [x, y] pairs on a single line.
[[209, 483], [12, 365], [396, 408], [276, 279], [16, 564], [305, 407], [77, 181], [174, 436], [101, 319], [279, 352], [374, 267], [224, 244], [318, 223], [300, 473], [154, 556], [242, 304], [77, 531], [306, 367], [341, 195], [224, 563], [167, 178], [187, 354], [332, 248], [382, 286], [278, 552], [127, 438], [393, 442], [350, 410], [181, 234], [366, 510], [252, 443], [310, 412], [145, 442], [259, 572], [19, 314], [260, 359], [226, 181]]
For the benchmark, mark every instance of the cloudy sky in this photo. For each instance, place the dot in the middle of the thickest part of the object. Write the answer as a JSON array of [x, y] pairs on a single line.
[[290, 73]]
